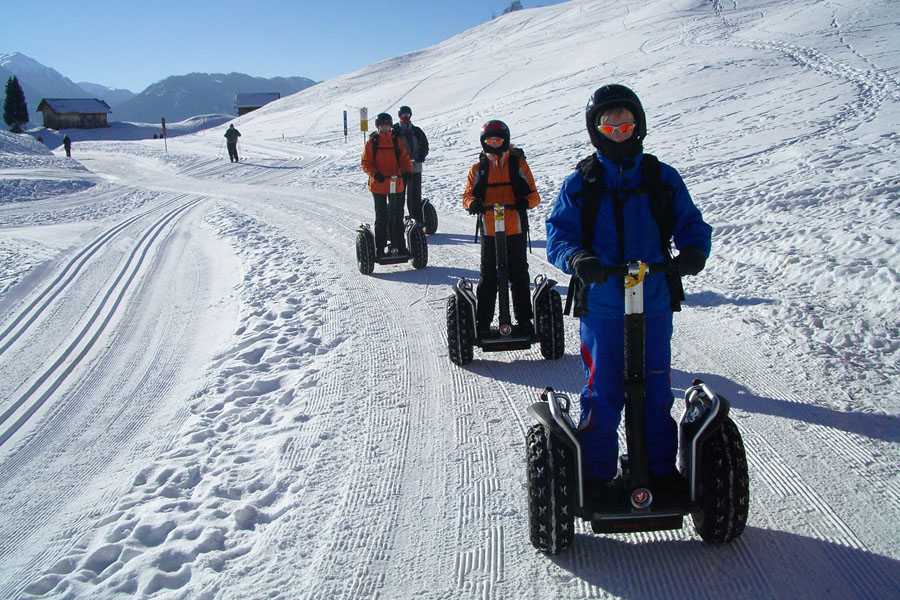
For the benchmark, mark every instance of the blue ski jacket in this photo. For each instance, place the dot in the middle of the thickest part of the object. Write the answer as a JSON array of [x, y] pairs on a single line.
[[640, 230]]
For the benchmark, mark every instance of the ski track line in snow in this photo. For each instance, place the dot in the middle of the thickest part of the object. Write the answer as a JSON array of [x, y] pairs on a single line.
[[69, 431], [249, 403], [49, 381], [55, 287]]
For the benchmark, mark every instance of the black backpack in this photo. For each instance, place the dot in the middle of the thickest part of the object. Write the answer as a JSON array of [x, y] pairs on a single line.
[[374, 138], [662, 207]]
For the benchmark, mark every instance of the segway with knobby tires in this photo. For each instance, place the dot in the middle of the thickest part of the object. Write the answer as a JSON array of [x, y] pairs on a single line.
[[416, 243], [462, 333], [711, 457]]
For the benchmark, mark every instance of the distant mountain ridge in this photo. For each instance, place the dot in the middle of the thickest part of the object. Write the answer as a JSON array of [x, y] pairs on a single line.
[[182, 96], [176, 98], [111, 96]]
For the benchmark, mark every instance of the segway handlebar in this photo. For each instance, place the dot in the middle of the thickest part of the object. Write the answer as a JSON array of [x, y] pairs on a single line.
[[633, 268]]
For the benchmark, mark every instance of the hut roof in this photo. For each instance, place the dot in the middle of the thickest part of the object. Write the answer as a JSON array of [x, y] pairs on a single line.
[[64, 106]]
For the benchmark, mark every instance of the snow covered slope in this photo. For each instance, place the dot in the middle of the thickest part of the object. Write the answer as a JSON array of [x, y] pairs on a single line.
[[202, 398]]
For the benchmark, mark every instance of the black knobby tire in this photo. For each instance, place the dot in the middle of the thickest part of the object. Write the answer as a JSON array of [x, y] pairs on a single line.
[[551, 491], [724, 486], [460, 331], [431, 218], [550, 325], [365, 253], [418, 246]]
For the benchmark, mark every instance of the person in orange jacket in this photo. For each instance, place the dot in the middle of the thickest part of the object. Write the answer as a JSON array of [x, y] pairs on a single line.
[[385, 161], [502, 176]]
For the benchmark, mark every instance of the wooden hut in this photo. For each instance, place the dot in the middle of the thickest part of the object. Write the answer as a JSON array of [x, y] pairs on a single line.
[[74, 113], [245, 103]]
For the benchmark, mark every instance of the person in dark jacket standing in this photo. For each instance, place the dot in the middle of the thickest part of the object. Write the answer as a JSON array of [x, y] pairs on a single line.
[[232, 135], [385, 161], [67, 144], [416, 145], [624, 230]]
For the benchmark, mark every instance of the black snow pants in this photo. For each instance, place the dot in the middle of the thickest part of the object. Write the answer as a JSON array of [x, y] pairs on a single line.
[[519, 281], [414, 197], [232, 152], [389, 222]]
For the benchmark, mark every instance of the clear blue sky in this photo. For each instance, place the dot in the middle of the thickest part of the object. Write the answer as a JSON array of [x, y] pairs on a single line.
[[133, 44]]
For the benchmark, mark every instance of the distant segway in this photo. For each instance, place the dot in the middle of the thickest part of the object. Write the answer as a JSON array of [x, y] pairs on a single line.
[[546, 304], [429, 213], [711, 457], [416, 243]]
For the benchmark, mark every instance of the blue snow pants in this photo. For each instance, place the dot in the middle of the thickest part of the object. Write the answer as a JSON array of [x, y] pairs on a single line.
[[602, 399]]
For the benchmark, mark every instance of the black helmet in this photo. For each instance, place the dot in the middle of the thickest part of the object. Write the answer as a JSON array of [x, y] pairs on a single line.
[[383, 119], [498, 129], [404, 110], [614, 96]]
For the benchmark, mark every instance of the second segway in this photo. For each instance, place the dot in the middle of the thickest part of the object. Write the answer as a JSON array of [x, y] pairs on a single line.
[[462, 306]]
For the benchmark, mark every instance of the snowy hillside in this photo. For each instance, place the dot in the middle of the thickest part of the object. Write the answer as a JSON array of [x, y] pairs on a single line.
[[201, 397]]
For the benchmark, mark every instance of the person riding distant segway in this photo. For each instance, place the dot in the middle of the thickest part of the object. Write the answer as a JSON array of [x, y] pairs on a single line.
[[500, 190], [389, 168], [504, 178], [416, 144]]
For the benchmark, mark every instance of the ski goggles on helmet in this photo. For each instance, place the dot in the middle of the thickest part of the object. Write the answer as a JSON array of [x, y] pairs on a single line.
[[624, 128], [383, 127], [493, 142], [405, 115]]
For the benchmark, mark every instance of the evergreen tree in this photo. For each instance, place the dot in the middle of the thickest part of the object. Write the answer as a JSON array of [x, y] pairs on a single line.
[[15, 110], [516, 5]]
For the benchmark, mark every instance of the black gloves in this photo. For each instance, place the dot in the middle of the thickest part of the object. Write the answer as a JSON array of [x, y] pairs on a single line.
[[587, 267], [476, 207], [521, 203], [379, 177], [406, 178], [690, 261]]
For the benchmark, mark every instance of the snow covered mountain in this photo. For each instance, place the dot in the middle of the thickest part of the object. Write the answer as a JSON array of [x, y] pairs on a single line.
[[201, 396], [182, 96], [112, 96], [37, 81], [176, 98]]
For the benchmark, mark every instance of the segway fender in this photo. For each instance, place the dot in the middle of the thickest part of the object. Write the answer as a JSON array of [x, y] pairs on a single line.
[[555, 418], [700, 420], [542, 285], [466, 294]]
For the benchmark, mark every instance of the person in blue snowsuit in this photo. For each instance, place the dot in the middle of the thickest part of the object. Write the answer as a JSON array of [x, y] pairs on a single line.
[[617, 125]]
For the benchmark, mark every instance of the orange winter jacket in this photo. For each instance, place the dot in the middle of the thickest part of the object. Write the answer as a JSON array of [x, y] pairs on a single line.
[[500, 191], [386, 163]]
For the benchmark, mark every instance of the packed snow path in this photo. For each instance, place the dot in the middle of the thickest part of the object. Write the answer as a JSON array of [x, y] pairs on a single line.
[[202, 397], [332, 433]]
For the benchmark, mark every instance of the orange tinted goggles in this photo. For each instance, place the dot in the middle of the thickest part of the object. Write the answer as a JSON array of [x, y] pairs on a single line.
[[611, 129], [493, 142]]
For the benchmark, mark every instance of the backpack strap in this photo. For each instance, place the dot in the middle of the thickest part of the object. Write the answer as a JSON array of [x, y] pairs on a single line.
[[374, 137], [662, 207]]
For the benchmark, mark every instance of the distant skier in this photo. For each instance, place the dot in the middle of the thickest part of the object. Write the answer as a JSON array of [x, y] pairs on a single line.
[[232, 136], [417, 147], [639, 206], [67, 144], [384, 158]]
